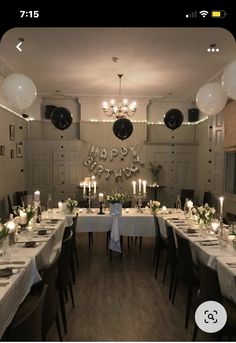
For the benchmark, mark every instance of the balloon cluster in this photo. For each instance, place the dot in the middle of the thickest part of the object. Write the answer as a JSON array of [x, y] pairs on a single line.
[[19, 90], [212, 97]]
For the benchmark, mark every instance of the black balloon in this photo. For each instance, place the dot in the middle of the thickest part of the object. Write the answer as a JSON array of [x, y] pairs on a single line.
[[173, 118], [61, 118], [122, 128]]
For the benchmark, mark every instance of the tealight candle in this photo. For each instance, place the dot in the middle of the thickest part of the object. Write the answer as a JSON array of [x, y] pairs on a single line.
[[80, 210], [127, 210], [23, 218], [190, 204], [164, 209], [60, 205], [37, 196]]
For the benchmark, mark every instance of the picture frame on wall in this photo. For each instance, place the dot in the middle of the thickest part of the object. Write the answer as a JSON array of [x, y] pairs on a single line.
[[19, 150], [12, 153], [12, 132], [2, 150]]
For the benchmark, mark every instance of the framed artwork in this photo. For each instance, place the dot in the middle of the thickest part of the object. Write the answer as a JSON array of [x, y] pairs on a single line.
[[12, 153], [12, 132], [2, 150], [19, 150]]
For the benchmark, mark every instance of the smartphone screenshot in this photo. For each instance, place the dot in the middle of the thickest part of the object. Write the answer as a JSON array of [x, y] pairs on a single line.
[[117, 174]]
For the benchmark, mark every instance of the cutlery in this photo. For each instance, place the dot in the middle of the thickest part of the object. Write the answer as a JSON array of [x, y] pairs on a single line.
[[192, 235], [11, 262], [231, 263], [3, 284]]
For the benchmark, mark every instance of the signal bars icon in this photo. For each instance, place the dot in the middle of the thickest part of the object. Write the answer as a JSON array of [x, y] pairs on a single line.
[[191, 15]]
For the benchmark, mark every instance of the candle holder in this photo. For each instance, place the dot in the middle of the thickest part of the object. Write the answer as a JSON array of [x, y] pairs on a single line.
[[139, 198], [101, 208], [90, 197]]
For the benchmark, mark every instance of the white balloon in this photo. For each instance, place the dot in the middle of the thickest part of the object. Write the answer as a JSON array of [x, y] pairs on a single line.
[[229, 80], [211, 98], [19, 90]]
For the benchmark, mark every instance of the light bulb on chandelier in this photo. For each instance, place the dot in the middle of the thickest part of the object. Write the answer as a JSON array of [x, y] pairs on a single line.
[[120, 109]]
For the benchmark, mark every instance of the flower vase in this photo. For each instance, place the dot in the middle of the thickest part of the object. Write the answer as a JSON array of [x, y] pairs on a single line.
[[70, 210], [4, 245], [116, 209], [203, 229], [154, 212]]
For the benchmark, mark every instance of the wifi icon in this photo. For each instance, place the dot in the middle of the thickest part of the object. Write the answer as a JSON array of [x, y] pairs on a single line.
[[204, 13]]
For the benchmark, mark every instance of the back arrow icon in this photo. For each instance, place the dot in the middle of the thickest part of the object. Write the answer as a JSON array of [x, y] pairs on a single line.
[[18, 46]]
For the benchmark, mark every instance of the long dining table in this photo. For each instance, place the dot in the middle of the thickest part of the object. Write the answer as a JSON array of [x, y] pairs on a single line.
[[25, 263], [132, 223]]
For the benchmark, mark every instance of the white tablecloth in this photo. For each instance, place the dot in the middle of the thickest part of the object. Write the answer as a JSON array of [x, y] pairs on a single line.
[[12, 295]]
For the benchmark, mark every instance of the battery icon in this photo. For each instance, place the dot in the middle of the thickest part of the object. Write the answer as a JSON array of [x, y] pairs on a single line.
[[218, 14]]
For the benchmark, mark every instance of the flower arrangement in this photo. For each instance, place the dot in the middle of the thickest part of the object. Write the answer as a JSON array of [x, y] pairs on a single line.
[[116, 198], [71, 204], [155, 169], [4, 231], [30, 211], [153, 205], [204, 214]]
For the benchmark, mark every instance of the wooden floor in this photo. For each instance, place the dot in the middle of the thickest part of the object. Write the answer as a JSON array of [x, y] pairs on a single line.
[[120, 300]]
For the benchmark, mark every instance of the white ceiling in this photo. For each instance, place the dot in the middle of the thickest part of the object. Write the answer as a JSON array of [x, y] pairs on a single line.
[[154, 61]]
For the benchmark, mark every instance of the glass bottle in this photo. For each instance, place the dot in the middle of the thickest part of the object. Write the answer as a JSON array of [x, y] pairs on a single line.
[[186, 206], [38, 215], [50, 207], [178, 203]]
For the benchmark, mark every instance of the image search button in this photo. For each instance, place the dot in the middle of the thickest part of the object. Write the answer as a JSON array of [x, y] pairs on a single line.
[[210, 316]]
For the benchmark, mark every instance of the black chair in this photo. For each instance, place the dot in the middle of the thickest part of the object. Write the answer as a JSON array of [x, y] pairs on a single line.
[[186, 193], [171, 257], [160, 245], [207, 199], [50, 310], [210, 291], [27, 322], [74, 252], [64, 273], [20, 198], [186, 273], [10, 208]]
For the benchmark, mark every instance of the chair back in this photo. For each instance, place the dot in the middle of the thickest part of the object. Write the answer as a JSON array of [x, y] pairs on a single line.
[[64, 272], [159, 238], [127, 204], [207, 199], [20, 196], [209, 284], [10, 208], [49, 276], [74, 227], [68, 230], [185, 260], [171, 246], [186, 193], [27, 323]]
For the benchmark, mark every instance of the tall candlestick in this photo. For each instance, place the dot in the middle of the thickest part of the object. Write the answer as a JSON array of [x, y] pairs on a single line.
[[144, 186], [94, 185], [221, 205], [100, 197], [139, 185], [134, 187], [84, 185], [37, 196]]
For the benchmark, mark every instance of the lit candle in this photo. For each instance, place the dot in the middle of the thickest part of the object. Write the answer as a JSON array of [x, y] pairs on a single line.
[[84, 187], [100, 197], [134, 187], [144, 186], [37, 196], [164, 209], [89, 186], [23, 218], [139, 185], [221, 205], [95, 185], [60, 205], [189, 204]]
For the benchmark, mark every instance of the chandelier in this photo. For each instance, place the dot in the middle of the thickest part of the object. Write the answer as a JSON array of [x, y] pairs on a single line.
[[120, 109]]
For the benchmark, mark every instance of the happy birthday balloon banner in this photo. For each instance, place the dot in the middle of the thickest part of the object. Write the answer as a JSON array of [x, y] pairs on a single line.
[[98, 154]]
